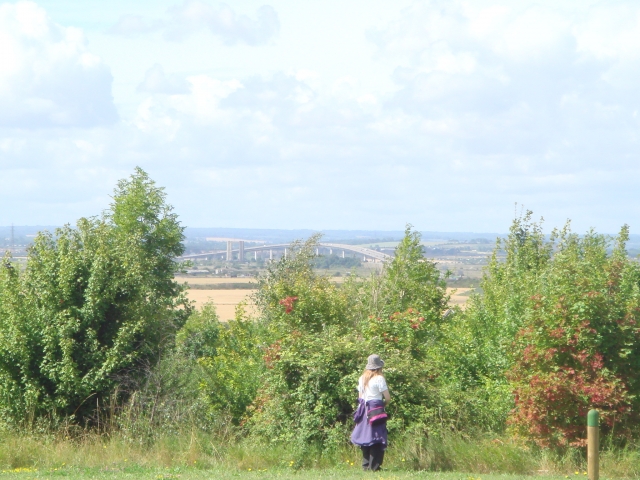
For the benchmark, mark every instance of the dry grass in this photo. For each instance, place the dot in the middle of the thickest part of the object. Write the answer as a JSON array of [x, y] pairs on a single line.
[[224, 300], [458, 299], [227, 300]]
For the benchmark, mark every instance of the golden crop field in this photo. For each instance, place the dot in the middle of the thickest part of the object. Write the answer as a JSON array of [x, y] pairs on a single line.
[[224, 300], [227, 299], [459, 298]]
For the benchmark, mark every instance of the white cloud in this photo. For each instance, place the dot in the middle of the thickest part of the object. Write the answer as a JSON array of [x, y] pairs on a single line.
[[221, 20], [157, 81], [152, 118], [48, 77], [193, 16], [133, 25], [494, 101]]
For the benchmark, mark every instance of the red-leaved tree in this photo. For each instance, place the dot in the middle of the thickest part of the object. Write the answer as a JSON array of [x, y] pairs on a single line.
[[578, 347]]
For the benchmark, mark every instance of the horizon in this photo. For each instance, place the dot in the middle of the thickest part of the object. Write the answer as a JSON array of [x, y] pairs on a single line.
[[190, 232]]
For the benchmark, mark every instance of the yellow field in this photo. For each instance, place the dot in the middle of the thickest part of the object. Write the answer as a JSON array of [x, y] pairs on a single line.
[[212, 280], [226, 300], [458, 299]]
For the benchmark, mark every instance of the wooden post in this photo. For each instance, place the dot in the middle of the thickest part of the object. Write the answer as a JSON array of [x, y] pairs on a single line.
[[593, 445]]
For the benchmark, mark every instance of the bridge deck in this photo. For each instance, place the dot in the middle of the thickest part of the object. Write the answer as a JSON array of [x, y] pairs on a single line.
[[367, 252]]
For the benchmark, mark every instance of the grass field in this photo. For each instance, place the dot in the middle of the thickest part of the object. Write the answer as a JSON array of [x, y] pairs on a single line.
[[347, 473], [459, 297], [196, 455]]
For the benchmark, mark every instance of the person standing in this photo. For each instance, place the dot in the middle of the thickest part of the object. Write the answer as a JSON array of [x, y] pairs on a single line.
[[370, 432]]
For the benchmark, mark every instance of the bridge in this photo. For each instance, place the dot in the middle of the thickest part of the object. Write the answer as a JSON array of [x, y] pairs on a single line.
[[368, 254]]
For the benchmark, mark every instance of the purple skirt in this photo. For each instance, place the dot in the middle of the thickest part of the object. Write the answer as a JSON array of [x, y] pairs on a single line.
[[364, 434]]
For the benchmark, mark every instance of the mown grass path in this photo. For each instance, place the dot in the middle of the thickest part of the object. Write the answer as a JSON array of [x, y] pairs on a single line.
[[131, 472]]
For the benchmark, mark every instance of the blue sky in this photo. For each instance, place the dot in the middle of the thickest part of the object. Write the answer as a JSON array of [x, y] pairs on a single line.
[[324, 114]]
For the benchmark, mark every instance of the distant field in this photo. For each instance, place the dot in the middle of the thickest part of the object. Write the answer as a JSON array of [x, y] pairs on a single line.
[[227, 299], [224, 300], [210, 280], [459, 299]]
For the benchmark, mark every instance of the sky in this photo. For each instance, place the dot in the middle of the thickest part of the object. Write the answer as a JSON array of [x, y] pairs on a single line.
[[359, 114]]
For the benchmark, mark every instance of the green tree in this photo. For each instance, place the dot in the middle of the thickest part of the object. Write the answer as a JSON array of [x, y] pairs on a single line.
[[579, 345], [320, 335], [409, 280], [232, 368], [95, 307]]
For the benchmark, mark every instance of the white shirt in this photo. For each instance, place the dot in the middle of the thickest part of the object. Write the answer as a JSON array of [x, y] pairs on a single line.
[[374, 389]]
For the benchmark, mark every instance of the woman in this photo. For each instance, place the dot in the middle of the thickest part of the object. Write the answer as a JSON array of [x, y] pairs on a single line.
[[373, 394]]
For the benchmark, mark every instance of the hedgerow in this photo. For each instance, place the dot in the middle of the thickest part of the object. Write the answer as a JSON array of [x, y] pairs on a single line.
[[96, 328]]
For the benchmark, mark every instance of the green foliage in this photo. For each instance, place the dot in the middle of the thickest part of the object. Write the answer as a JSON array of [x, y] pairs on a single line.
[[474, 351], [200, 334], [408, 281], [312, 353], [233, 367], [292, 296], [96, 319], [579, 346], [406, 340], [95, 306], [321, 335], [332, 261]]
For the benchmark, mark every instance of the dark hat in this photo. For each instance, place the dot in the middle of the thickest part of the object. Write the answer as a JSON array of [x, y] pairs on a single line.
[[374, 362]]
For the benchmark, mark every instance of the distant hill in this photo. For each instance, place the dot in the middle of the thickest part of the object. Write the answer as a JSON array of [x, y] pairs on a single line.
[[350, 236]]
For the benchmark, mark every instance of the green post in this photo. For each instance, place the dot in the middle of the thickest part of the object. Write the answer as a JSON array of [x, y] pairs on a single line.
[[593, 445]]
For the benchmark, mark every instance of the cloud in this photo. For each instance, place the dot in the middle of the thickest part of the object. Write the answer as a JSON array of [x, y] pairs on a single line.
[[518, 79], [132, 26], [48, 77], [156, 81], [194, 16], [489, 102]]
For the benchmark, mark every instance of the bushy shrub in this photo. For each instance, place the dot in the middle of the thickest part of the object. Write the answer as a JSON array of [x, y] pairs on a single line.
[[321, 335], [232, 366], [579, 346], [199, 337], [94, 308], [311, 353]]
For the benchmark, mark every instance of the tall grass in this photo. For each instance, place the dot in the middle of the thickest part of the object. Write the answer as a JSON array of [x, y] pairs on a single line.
[[152, 432], [206, 450]]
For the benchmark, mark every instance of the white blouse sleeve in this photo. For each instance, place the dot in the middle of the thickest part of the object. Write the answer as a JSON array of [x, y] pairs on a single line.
[[382, 384]]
